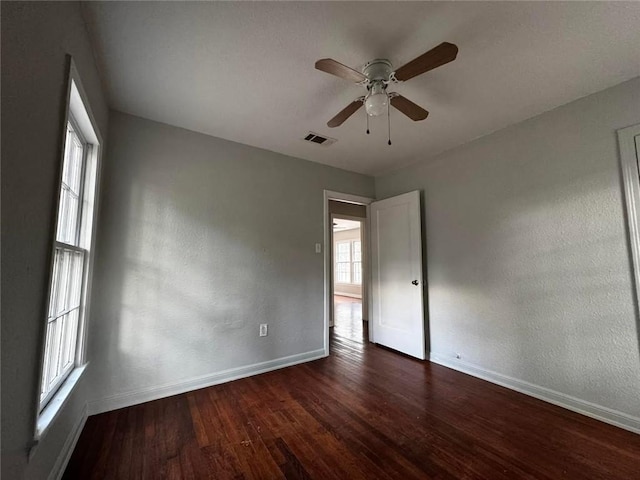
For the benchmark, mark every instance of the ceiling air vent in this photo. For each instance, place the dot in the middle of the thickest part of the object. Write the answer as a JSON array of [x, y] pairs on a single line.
[[319, 139]]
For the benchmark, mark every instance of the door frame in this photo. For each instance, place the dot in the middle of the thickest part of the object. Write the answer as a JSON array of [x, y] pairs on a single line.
[[328, 260], [630, 179]]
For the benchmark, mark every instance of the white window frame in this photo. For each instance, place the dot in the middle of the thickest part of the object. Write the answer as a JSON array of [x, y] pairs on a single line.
[[351, 261], [72, 247], [78, 113], [348, 262], [629, 146]]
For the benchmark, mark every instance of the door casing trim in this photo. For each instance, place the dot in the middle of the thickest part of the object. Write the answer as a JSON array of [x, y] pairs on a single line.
[[630, 175], [348, 198]]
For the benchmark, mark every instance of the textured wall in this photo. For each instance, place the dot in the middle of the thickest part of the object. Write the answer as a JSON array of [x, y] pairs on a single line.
[[192, 256], [528, 265], [35, 39]]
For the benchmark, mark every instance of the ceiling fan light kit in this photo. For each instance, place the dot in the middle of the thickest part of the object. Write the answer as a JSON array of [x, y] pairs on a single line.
[[377, 101], [377, 75]]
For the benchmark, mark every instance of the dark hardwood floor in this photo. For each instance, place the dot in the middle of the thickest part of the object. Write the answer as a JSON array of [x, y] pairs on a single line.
[[347, 317], [364, 412]]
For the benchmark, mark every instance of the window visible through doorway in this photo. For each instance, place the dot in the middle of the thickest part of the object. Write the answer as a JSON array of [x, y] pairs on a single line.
[[349, 262]]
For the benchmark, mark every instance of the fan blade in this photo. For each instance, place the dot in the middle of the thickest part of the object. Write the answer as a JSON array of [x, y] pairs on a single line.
[[410, 109], [329, 65], [345, 113], [443, 53]]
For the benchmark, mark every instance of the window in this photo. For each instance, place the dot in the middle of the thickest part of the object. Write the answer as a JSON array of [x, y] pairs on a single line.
[[68, 287], [343, 262], [349, 262], [356, 262]]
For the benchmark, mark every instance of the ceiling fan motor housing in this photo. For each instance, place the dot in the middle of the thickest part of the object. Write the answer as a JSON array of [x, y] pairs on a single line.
[[378, 70]]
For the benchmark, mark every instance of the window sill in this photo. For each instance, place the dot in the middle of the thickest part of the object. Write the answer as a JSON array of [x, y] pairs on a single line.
[[56, 404]]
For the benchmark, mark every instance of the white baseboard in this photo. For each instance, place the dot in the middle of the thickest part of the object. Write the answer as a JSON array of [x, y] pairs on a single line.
[[604, 414], [148, 394], [69, 445], [352, 295]]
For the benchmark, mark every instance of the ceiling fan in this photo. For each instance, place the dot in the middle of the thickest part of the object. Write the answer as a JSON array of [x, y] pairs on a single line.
[[378, 74]]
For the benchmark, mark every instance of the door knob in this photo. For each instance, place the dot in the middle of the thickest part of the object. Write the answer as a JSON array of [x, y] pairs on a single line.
[[415, 282]]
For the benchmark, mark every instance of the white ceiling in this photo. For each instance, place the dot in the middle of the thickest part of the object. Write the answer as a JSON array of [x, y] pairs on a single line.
[[340, 224], [244, 71]]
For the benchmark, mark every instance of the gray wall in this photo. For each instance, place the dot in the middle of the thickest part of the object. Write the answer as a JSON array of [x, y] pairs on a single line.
[[35, 40], [200, 241], [527, 252]]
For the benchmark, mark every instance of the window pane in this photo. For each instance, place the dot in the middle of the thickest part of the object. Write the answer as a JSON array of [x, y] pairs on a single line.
[[53, 354], [47, 360], [68, 341], [69, 158], [343, 274], [72, 168], [75, 280], [357, 253], [68, 213], [69, 208], [60, 350], [63, 258], [357, 273], [61, 326], [77, 166], [343, 252], [63, 216], [66, 288], [55, 285], [70, 234]]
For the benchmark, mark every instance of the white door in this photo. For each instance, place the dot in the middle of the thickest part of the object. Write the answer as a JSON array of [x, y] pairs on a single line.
[[396, 267]]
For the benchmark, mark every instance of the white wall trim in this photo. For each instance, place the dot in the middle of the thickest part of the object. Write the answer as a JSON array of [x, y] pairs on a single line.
[[629, 165], [148, 394], [48, 416], [347, 198], [69, 445], [345, 294], [604, 414]]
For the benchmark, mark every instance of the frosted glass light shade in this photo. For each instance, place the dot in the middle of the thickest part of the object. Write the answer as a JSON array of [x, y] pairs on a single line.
[[376, 104]]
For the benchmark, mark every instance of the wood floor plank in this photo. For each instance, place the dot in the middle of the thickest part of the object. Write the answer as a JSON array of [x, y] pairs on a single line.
[[364, 412]]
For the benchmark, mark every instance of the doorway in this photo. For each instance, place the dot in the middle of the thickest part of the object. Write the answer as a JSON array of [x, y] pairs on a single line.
[[392, 246], [348, 277]]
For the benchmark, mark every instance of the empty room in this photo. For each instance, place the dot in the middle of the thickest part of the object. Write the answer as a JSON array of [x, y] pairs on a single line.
[[320, 240]]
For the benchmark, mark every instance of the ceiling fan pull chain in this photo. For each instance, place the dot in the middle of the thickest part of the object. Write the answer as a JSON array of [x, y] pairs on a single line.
[[367, 115], [389, 121]]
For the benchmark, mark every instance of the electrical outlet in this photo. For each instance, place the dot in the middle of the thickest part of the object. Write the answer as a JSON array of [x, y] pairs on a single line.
[[264, 329], [318, 248]]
